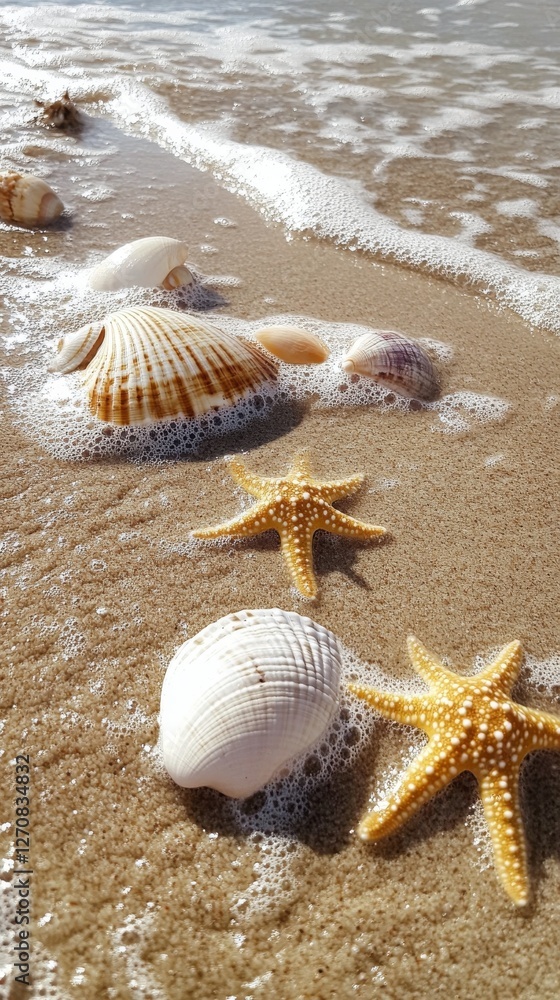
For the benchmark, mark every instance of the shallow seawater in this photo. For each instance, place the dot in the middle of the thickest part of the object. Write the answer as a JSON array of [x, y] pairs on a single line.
[[427, 135], [378, 166]]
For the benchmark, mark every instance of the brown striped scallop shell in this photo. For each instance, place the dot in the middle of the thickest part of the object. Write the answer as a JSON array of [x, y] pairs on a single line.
[[394, 361], [154, 363]]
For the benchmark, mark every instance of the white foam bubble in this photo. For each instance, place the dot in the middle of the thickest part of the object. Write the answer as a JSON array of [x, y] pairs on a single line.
[[518, 207], [129, 942]]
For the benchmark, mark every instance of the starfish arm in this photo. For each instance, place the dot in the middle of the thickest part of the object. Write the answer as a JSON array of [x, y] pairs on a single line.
[[339, 488], [405, 708], [423, 779], [301, 466], [341, 524], [257, 486], [251, 522], [503, 672], [297, 551], [500, 798], [541, 730], [427, 665], [551, 730]]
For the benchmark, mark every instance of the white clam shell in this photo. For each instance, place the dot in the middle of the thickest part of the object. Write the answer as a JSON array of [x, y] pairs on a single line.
[[245, 696], [28, 200], [154, 363], [394, 361], [293, 345], [146, 263]]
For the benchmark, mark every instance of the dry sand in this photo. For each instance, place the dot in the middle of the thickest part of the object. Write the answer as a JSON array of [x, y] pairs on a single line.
[[134, 879]]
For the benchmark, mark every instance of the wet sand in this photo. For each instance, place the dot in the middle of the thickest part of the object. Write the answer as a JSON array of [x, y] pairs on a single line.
[[135, 879]]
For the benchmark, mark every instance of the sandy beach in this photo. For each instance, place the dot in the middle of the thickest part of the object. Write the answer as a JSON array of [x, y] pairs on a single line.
[[136, 883]]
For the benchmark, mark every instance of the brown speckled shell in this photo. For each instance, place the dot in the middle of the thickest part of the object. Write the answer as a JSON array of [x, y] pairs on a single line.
[[28, 200], [293, 345]]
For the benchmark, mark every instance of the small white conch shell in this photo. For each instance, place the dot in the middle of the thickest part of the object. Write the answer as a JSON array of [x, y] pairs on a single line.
[[155, 260], [394, 361], [28, 200], [245, 696], [293, 345], [145, 364]]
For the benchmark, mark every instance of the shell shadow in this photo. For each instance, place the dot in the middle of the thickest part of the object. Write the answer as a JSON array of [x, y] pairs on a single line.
[[199, 296], [282, 418], [274, 423], [63, 224], [322, 818]]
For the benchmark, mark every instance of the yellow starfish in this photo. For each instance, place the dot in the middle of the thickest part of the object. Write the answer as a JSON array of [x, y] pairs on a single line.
[[295, 506], [473, 725]]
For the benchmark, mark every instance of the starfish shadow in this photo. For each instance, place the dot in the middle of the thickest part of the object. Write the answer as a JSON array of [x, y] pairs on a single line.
[[443, 812], [448, 809], [338, 554], [540, 799]]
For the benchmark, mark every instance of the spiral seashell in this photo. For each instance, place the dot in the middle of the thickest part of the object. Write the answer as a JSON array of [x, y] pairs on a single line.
[[28, 200], [245, 696], [395, 362], [293, 345], [146, 364], [155, 260], [62, 114]]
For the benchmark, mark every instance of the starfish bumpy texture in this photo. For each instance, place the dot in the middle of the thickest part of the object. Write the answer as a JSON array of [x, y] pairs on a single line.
[[295, 506], [473, 725]]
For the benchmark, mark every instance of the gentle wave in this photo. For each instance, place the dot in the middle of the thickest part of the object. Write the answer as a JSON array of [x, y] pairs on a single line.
[[335, 183]]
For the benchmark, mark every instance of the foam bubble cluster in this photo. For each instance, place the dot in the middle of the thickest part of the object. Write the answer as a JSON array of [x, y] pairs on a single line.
[[272, 820]]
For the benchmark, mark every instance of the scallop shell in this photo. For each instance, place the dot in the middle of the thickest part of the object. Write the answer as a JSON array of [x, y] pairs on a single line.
[[395, 361], [245, 696], [155, 260], [28, 200], [154, 363], [293, 345]]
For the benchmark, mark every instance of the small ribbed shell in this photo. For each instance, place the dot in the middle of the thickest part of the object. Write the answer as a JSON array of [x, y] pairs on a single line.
[[28, 200], [293, 345], [394, 361], [245, 696], [155, 260], [154, 363], [76, 350]]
